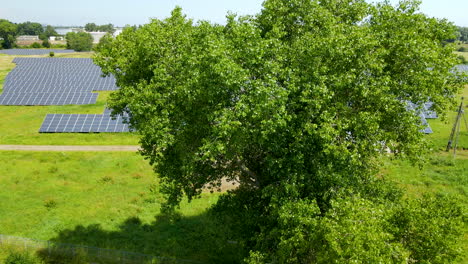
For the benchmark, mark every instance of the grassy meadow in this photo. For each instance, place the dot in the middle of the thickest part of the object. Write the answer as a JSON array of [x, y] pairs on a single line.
[[107, 200]]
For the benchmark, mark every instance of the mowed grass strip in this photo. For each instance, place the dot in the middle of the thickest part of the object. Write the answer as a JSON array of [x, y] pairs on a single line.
[[20, 124], [107, 200]]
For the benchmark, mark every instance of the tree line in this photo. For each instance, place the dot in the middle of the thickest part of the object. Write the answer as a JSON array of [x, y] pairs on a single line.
[[92, 27], [10, 31], [80, 41]]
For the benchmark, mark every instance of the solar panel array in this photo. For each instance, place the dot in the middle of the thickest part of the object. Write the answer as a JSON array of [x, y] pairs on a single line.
[[424, 113], [25, 52], [54, 81], [83, 123], [21, 98], [462, 67]]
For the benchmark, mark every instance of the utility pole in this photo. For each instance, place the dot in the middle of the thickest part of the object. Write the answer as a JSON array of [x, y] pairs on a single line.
[[453, 140]]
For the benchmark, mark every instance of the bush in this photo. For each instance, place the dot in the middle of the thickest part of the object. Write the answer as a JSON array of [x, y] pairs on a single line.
[[80, 41], [462, 59], [21, 258], [36, 45], [51, 54], [46, 44], [431, 228], [358, 230], [462, 49]]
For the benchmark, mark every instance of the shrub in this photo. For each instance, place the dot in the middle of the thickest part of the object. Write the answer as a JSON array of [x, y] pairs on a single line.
[[21, 258], [51, 54], [50, 203], [462, 59], [36, 45], [46, 44], [462, 49], [80, 41]]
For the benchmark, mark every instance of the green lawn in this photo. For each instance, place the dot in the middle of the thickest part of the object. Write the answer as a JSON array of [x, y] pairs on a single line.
[[20, 124], [107, 200]]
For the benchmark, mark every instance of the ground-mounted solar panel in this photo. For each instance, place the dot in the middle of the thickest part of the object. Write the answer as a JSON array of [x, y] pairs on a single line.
[[428, 112], [40, 81], [8, 98], [26, 52], [462, 67], [83, 123]]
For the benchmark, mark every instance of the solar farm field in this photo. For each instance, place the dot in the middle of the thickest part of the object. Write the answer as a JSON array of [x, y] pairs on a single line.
[[21, 124]]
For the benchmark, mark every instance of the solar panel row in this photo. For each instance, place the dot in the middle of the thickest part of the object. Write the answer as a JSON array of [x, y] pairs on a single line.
[[54, 81], [47, 98], [33, 51], [82, 123], [424, 113]]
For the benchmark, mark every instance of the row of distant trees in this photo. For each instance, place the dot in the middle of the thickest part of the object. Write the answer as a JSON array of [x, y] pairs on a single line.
[[9, 31], [81, 41], [463, 34], [92, 27]]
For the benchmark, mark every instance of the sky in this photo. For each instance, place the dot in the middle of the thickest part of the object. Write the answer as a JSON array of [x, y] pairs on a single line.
[[136, 12]]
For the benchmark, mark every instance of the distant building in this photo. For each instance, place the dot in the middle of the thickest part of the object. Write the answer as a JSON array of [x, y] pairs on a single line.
[[27, 38], [97, 36]]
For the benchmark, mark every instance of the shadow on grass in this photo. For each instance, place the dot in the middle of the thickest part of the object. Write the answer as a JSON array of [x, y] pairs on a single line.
[[198, 238]]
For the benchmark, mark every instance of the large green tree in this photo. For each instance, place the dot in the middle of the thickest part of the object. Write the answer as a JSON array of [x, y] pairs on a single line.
[[463, 34], [80, 41], [91, 27], [30, 28], [8, 33], [296, 104]]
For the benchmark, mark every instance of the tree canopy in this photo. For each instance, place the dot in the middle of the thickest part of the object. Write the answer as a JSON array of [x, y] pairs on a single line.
[[296, 104], [92, 27], [80, 41], [8, 32], [463, 34], [30, 28]]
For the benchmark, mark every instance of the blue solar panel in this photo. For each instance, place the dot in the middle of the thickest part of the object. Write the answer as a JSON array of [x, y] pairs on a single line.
[[8, 98], [83, 123], [54, 81]]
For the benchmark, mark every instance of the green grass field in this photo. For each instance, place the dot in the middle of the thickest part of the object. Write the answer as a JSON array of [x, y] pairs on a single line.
[[108, 200]]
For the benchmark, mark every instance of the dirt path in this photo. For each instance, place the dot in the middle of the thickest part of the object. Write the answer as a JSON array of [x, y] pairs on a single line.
[[68, 148]]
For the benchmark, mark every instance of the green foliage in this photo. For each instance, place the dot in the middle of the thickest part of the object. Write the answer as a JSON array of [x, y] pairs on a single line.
[[463, 34], [298, 104], [462, 59], [430, 228], [8, 31], [462, 49], [50, 31], [51, 54], [36, 45], [30, 28], [21, 258], [109, 28], [357, 230], [92, 27], [80, 41], [104, 42], [46, 44]]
